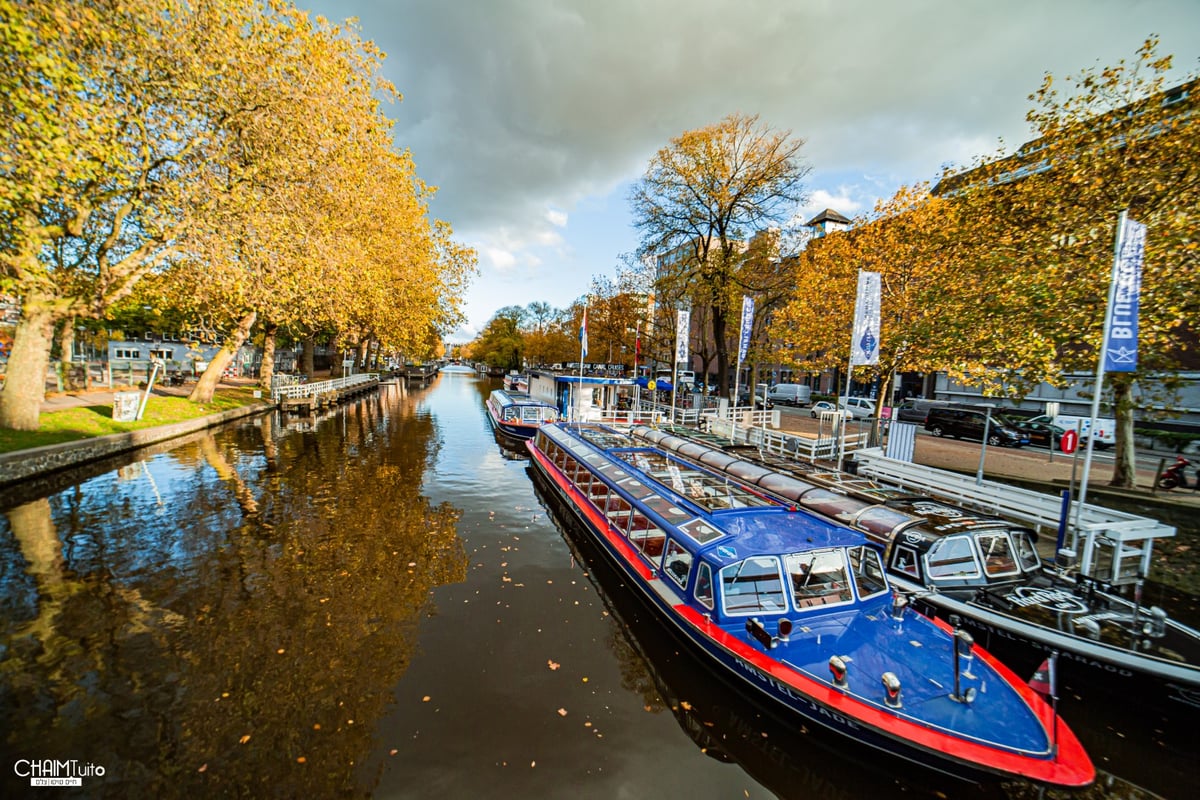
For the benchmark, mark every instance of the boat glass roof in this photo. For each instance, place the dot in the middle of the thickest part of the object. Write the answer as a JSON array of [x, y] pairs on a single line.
[[706, 489]]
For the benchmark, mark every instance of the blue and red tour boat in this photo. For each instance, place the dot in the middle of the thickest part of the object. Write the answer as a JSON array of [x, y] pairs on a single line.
[[799, 609], [518, 415]]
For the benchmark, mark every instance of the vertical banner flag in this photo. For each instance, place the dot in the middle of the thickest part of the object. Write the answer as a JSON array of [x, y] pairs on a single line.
[[1120, 351], [864, 344], [683, 326], [583, 336], [747, 324]]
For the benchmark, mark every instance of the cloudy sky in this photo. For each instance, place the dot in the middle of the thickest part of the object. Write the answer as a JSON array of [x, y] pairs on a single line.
[[534, 117]]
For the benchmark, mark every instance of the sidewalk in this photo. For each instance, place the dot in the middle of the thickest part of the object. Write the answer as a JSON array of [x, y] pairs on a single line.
[[1035, 466]]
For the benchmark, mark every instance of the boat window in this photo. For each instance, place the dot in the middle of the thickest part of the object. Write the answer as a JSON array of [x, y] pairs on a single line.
[[701, 532], [678, 563], [904, 559], [598, 493], [1026, 550], [704, 589], [818, 577], [952, 557], [867, 571], [997, 553], [752, 586], [667, 510], [618, 512], [647, 537], [881, 520], [636, 488], [531, 414]]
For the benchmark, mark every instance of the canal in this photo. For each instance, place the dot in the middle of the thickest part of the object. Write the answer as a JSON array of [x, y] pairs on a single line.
[[379, 604]]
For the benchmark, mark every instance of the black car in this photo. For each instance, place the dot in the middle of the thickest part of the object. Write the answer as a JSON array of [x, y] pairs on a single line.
[[761, 401], [1041, 434], [965, 422]]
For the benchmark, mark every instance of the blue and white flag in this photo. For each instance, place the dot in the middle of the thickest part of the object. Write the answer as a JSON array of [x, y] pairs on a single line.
[[1120, 350], [747, 324], [583, 336], [864, 342], [683, 327]]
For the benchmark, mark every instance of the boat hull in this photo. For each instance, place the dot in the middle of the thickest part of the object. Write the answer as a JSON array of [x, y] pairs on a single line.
[[758, 676], [1171, 688]]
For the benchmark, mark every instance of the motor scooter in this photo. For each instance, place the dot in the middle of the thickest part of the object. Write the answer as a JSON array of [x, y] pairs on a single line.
[[1175, 475]]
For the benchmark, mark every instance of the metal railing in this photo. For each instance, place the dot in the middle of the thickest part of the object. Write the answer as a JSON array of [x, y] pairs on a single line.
[[811, 448], [1129, 535], [321, 387]]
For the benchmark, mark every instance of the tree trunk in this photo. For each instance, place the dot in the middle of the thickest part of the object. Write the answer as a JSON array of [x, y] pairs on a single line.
[[25, 381], [66, 346], [364, 345], [1125, 459], [207, 385], [306, 357], [718, 325], [267, 372]]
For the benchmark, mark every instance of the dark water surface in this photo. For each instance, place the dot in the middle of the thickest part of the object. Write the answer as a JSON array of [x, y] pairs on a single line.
[[380, 605]]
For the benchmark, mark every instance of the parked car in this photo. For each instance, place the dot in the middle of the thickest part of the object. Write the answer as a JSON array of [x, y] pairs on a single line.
[[859, 407], [967, 422], [761, 401], [1041, 434], [916, 409], [791, 394], [823, 407]]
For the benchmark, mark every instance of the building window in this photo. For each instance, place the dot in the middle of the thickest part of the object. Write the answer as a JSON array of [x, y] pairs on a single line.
[[130, 353]]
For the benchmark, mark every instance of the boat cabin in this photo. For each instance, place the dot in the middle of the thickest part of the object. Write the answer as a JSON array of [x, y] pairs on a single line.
[[785, 565], [923, 540]]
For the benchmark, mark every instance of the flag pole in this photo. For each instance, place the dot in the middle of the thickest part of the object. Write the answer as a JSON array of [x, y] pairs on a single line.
[[583, 348], [1104, 341]]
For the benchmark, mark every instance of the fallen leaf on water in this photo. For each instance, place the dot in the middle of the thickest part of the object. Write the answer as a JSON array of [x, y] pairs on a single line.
[[425, 699], [393, 752], [301, 760], [203, 767], [562, 712], [316, 726], [553, 664], [244, 739]]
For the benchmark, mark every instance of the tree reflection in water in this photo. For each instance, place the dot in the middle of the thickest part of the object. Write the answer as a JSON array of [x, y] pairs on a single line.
[[229, 617]]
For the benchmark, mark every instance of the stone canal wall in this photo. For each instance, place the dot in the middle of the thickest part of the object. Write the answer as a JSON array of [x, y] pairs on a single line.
[[22, 465]]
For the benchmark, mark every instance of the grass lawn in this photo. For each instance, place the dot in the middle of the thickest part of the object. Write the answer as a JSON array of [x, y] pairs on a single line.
[[86, 422]]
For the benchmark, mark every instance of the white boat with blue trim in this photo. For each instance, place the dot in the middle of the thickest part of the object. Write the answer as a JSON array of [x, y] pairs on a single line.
[[799, 609]]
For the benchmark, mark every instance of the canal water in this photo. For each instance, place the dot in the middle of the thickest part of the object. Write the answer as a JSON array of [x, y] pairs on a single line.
[[379, 604]]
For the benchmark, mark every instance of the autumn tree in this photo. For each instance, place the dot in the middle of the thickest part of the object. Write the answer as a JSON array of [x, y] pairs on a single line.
[[701, 198], [910, 240], [500, 343], [1123, 138], [112, 142]]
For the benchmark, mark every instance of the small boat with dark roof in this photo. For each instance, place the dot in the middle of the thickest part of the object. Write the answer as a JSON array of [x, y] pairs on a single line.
[[518, 415], [799, 610], [986, 570]]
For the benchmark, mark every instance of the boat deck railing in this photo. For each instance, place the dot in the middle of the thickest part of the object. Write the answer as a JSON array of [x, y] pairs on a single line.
[[317, 388], [1129, 536], [825, 447]]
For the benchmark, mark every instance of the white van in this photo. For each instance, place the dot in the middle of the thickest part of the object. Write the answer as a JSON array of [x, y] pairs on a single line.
[[857, 407], [1106, 428], [790, 394]]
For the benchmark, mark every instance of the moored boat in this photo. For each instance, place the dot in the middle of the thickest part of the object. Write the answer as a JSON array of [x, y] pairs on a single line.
[[518, 415], [987, 571], [799, 610]]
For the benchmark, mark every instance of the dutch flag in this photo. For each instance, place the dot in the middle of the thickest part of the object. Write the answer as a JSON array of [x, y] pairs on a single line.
[[583, 336]]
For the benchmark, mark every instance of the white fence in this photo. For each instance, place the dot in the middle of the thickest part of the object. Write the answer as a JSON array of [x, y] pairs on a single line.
[[1129, 536], [812, 448], [321, 387]]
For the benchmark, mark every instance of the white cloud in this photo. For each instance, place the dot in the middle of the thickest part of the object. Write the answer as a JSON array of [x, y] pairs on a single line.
[[520, 112]]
